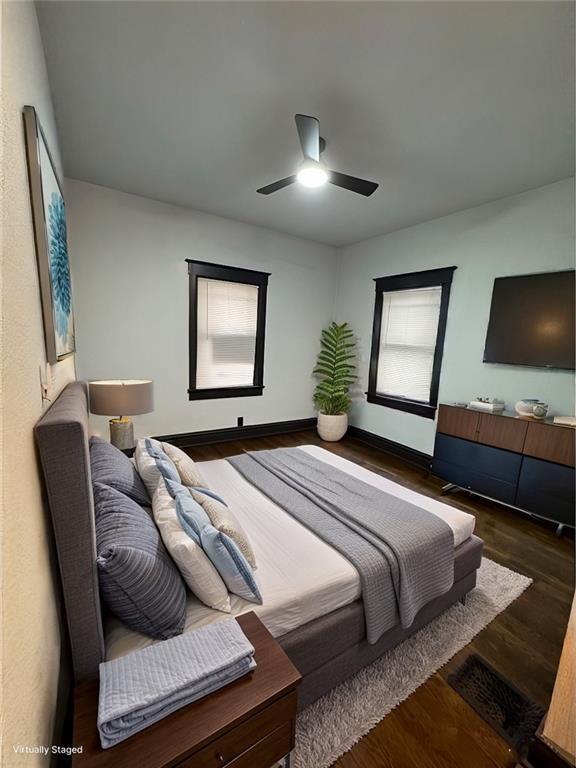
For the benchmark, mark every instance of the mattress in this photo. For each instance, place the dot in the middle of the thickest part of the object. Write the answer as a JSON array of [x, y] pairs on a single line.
[[301, 578]]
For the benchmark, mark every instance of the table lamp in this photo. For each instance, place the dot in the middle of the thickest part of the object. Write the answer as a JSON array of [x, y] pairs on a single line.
[[129, 397]]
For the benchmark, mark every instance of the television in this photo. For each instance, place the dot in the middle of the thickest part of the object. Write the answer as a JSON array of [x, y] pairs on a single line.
[[532, 321]]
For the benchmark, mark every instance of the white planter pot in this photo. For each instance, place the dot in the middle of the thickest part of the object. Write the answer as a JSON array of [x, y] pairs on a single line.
[[332, 428]]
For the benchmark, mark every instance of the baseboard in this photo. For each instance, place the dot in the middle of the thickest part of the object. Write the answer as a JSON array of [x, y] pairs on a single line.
[[208, 437], [212, 436], [404, 452]]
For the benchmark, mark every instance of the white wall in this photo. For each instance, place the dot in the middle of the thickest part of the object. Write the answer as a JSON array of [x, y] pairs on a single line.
[[531, 232], [131, 304], [30, 626]]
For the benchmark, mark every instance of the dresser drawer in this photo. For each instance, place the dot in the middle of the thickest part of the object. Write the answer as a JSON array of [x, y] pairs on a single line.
[[502, 432], [475, 481], [231, 746], [458, 422], [478, 459], [551, 443], [547, 489], [267, 751]]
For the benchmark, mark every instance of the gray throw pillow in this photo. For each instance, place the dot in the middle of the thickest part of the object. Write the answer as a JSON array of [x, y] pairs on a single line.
[[138, 579], [110, 466]]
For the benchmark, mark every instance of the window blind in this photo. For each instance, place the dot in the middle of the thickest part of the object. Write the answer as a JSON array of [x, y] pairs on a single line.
[[226, 333], [408, 332]]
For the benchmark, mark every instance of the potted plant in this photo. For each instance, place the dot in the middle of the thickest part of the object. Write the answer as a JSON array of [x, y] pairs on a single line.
[[335, 370]]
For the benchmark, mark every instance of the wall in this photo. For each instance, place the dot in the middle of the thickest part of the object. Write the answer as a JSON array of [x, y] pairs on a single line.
[[131, 298], [30, 626], [531, 232]]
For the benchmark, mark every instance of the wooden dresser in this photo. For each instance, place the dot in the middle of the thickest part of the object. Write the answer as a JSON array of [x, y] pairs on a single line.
[[247, 724], [521, 462]]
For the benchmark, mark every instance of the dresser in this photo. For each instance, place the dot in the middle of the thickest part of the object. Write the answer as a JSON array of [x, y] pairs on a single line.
[[521, 462]]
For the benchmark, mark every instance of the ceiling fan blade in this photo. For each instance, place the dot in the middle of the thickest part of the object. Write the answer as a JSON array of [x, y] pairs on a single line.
[[361, 186], [276, 185], [309, 134]]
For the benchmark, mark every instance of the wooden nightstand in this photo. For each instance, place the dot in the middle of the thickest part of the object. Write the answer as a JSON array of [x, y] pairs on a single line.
[[247, 724]]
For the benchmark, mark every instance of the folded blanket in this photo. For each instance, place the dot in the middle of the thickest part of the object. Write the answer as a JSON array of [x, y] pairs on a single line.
[[141, 688]]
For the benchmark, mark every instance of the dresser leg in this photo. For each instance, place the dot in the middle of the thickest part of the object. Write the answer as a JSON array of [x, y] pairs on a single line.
[[448, 488], [559, 529]]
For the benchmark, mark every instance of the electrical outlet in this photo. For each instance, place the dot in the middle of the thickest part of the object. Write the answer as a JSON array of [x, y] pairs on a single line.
[[240, 421], [45, 381]]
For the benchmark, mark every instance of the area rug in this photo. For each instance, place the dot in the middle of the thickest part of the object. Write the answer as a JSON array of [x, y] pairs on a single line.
[[333, 724]]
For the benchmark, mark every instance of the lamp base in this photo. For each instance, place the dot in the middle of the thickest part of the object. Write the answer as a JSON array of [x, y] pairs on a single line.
[[122, 433]]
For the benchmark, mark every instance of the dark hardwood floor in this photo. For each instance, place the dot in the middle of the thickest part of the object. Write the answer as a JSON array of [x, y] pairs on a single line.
[[435, 728]]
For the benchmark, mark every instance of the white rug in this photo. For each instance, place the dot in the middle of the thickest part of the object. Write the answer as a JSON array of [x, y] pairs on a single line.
[[334, 723]]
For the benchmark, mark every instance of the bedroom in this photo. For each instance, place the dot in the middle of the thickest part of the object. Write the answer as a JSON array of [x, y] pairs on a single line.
[[157, 123]]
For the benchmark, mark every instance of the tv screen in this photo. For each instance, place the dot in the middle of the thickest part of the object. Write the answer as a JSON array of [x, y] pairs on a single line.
[[532, 321]]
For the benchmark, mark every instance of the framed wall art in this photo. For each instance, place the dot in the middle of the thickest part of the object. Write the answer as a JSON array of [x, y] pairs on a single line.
[[49, 218]]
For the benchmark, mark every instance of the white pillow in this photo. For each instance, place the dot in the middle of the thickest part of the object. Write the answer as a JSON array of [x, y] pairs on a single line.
[[223, 520], [187, 469], [153, 463], [197, 571]]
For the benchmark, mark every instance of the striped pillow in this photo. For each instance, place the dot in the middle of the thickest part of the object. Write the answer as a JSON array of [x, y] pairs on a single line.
[[139, 582], [112, 467]]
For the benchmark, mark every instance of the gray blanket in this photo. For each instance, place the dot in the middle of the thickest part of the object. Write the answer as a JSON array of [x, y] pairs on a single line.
[[141, 688], [404, 554]]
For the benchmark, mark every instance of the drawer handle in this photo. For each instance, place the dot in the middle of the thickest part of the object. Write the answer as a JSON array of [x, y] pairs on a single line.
[[220, 757]]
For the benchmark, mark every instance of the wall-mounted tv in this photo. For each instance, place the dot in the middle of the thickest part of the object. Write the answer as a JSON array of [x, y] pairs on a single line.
[[532, 321]]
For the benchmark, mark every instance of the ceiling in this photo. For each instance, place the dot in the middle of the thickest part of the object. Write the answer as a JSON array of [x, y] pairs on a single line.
[[447, 105]]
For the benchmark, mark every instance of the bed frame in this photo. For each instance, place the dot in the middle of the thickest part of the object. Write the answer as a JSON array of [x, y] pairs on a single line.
[[326, 651]]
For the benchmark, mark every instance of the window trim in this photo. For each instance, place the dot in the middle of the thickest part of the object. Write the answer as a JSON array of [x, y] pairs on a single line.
[[211, 271], [430, 278]]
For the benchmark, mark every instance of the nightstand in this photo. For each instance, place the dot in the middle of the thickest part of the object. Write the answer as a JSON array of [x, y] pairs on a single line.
[[248, 724]]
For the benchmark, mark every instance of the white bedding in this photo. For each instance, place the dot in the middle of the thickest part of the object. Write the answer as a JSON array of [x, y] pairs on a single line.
[[301, 578]]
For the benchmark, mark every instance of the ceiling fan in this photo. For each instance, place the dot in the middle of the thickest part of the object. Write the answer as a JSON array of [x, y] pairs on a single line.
[[313, 172]]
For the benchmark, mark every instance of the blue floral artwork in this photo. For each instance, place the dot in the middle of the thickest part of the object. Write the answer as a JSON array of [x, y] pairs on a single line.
[[49, 213], [59, 267]]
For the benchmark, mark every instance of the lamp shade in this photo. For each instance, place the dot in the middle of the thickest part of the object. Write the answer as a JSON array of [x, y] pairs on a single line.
[[129, 397]]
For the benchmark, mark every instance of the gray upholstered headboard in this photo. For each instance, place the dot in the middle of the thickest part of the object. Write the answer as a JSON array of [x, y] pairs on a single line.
[[62, 439]]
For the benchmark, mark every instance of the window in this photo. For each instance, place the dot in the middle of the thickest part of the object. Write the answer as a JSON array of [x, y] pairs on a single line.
[[408, 340], [227, 324]]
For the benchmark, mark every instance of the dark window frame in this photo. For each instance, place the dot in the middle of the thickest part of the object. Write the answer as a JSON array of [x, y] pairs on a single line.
[[430, 278], [210, 271]]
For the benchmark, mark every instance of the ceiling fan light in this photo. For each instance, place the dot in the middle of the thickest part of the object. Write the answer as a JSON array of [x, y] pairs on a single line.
[[312, 174]]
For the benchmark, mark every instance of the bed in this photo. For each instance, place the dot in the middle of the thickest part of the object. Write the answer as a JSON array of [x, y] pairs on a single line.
[[312, 594]]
